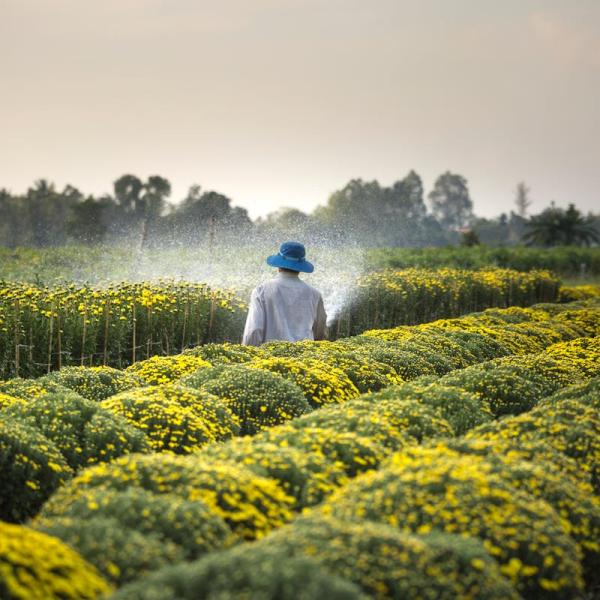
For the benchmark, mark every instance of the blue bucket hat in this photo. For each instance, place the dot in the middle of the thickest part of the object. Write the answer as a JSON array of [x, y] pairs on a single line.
[[291, 256]]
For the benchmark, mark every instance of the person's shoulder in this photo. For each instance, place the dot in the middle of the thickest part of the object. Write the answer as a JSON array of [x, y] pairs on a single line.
[[314, 290]]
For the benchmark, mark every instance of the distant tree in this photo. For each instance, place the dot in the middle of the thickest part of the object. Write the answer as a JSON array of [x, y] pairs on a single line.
[[450, 201], [87, 221], [128, 191], [47, 211], [206, 214], [522, 199], [556, 226], [469, 238]]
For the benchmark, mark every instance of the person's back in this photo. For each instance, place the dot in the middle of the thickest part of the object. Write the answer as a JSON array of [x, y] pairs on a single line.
[[286, 308]]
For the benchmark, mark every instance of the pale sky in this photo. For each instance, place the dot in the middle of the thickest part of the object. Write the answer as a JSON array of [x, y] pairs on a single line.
[[280, 102]]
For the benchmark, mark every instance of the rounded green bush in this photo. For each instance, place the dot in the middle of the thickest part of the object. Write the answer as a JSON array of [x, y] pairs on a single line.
[[569, 426], [29, 389], [31, 468], [190, 525], [387, 563], [356, 453], [219, 354], [320, 383], [427, 489], [573, 500], [507, 389], [260, 399], [120, 553], [237, 573], [308, 477], [462, 410], [587, 393], [408, 417], [249, 504], [361, 418], [174, 417], [93, 383], [366, 374], [83, 432]]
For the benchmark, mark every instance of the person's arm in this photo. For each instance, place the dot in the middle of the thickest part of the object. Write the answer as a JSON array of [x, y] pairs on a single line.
[[254, 332], [320, 324]]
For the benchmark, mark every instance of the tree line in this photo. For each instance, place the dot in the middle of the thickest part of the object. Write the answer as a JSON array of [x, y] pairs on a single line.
[[363, 212]]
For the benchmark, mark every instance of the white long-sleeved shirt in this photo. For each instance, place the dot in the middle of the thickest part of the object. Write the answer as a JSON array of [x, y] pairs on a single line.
[[284, 308]]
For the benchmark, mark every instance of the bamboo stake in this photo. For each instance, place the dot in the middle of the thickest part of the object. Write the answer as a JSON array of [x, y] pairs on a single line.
[[106, 331], [59, 340], [17, 337], [134, 321], [84, 333], [50, 339]]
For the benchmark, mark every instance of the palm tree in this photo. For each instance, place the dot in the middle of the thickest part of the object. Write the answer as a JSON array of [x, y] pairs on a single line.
[[556, 226]]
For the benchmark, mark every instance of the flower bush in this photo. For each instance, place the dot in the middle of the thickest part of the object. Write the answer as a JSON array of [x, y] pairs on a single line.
[[459, 409], [422, 489], [572, 500], [587, 393], [83, 432], [569, 426], [582, 355], [93, 383], [387, 563], [6, 400], [259, 399], [251, 505], [356, 453], [35, 566], [265, 575], [505, 388], [174, 417], [362, 418], [320, 383], [121, 554], [365, 373], [190, 525], [226, 353], [166, 369], [31, 468], [308, 477], [29, 389]]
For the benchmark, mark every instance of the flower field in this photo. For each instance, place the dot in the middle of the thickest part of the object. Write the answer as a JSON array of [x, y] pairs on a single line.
[[46, 328], [456, 458]]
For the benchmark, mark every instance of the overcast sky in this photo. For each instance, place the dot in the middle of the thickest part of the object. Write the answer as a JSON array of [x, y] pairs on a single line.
[[280, 102]]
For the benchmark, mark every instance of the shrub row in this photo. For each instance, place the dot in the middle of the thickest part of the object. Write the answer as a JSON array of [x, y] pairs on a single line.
[[255, 484]]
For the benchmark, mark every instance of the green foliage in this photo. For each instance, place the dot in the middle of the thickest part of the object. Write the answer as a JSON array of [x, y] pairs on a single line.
[[31, 468], [571, 427], [120, 553], [93, 383], [386, 563], [258, 398], [308, 477], [249, 504], [83, 432], [320, 382], [424, 489], [505, 388], [265, 575], [189, 525], [461, 409], [355, 452], [227, 353], [572, 499]]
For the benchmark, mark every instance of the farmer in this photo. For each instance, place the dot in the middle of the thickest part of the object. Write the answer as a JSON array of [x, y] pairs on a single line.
[[286, 308]]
